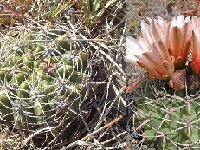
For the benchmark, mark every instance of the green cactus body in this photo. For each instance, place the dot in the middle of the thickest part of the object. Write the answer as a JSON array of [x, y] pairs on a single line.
[[68, 62], [36, 64], [82, 89], [25, 48], [47, 87], [65, 70], [38, 50], [16, 60], [5, 101], [72, 92], [27, 62], [76, 78], [29, 116], [44, 76], [169, 121], [62, 44], [19, 78], [5, 108], [5, 73], [54, 33], [23, 90], [82, 61], [34, 75]]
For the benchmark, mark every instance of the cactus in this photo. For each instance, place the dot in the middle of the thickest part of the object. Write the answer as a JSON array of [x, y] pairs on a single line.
[[5, 107], [37, 79], [169, 123], [62, 44]]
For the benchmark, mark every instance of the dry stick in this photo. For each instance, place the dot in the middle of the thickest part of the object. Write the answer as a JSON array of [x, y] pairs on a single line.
[[37, 132], [113, 138], [102, 52], [119, 93], [108, 57], [107, 5], [109, 125], [108, 85], [109, 108], [118, 67], [106, 126]]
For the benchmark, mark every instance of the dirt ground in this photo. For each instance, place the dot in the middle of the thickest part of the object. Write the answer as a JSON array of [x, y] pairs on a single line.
[[138, 9]]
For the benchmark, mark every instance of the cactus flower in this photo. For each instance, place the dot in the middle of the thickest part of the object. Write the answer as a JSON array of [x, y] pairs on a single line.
[[150, 51], [153, 57], [195, 45], [163, 47], [156, 30], [178, 40]]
